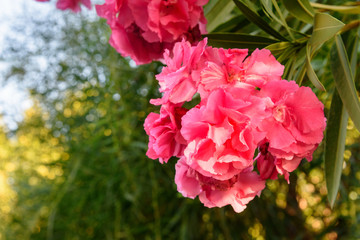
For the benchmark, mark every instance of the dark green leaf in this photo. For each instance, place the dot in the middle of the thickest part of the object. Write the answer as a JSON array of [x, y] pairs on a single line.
[[278, 47], [335, 146], [301, 9], [325, 27], [310, 71], [218, 13], [256, 19], [344, 80], [236, 22], [236, 40], [267, 6]]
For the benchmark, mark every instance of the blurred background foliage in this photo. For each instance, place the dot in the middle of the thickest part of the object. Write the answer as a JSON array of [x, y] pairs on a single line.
[[75, 167]]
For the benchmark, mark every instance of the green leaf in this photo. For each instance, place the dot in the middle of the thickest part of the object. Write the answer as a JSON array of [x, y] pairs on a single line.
[[236, 40], [267, 6], [300, 75], [218, 13], [256, 19], [310, 71], [344, 80], [236, 22], [301, 9], [335, 146], [325, 27], [336, 135], [341, 9], [286, 54], [354, 54], [279, 47]]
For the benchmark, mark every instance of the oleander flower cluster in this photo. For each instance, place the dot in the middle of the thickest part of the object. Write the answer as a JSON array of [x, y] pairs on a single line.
[[143, 29], [248, 124]]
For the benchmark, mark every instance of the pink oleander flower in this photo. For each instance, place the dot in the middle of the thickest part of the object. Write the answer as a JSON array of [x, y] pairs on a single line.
[[73, 5], [165, 139], [143, 29], [220, 134], [236, 191], [229, 68], [294, 129], [179, 79], [262, 67]]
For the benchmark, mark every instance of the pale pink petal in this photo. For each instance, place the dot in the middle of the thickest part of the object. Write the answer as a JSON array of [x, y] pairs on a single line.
[[183, 91], [193, 126], [213, 76], [185, 180], [220, 133]]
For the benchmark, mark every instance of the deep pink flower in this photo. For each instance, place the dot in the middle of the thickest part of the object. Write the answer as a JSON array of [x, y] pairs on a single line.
[[295, 127], [220, 134], [262, 67], [179, 79], [236, 191], [73, 5], [165, 139], [143, 29], [169, 20], [229, 68]]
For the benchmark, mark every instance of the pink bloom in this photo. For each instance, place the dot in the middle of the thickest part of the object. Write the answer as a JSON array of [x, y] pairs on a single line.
[[171, 19], [236, 191], [295, 127], [178, 80], [163, 129], [229, 68], [143, 29], [262, 67], [73, 5], [221, 138]]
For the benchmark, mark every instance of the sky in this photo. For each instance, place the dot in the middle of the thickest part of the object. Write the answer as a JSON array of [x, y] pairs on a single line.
[[14, 99]]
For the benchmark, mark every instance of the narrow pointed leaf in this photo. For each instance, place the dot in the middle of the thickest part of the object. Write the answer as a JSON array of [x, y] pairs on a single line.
[[278, 47], [354, 54], [236, 40], [344, 80], [267, 6], [218, 13], [336, 136], [325, 27], [335, 146], [341, 9], [236, 22], [301, 9], [300, 75], [256, 19], [310, 71]]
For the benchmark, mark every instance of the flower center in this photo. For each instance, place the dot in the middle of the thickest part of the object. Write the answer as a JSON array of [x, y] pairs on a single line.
[[235, 77], [214, 184], [279, 113]]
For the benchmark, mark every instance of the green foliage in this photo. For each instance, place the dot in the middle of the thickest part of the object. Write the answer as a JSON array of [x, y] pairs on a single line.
[[344, 80], [256, 19], [239, 40], [217, 12], [300, 9], [335, 146]]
